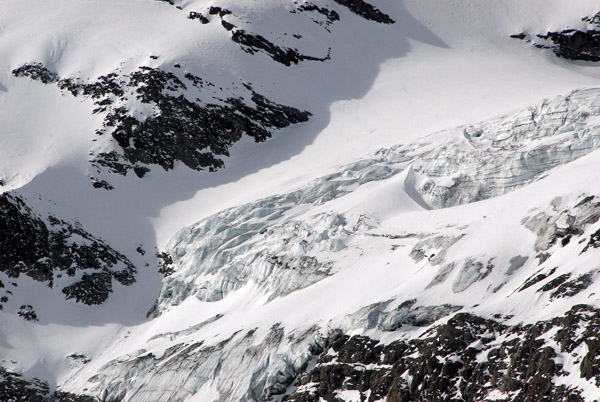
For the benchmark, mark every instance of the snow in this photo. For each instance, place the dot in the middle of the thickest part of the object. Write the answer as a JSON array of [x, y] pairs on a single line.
[[422, 83]]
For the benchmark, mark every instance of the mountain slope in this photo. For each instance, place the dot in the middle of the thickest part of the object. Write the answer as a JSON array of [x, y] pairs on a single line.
[[419, 220]]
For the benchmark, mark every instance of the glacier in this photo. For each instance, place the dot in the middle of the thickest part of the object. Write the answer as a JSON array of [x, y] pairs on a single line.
[[323, 200]]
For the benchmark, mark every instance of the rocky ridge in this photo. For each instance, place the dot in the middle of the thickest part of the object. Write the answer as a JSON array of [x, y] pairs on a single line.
[[571, 44], [177, 126], [58, 253], [467, 358]]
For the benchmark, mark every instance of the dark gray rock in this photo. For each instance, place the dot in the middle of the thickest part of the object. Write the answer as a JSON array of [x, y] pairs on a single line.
[[47, 249], [532, 280], [464, 359], [252, 43], [330, 15], [190, 131], [366, 10], [194, 15], [37, 72], [15, 388], [572, 44], [27, 312], [573, 287]]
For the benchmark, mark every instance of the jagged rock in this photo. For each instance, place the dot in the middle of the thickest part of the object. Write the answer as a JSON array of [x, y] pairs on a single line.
[[573, 287], [27, 312], [254, 43], [193, 132], [366, 10], [227, 25], [15, 388], [537, 278], [330, 15], [194, 15], [467, 358], [37, 72], [45, 250], [594, 241], [214, 10], [90, 289], [165, 264], [554, 283], [572, 44]]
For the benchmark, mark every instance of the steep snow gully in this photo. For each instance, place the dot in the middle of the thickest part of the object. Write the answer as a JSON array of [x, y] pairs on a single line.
[[420, 221]]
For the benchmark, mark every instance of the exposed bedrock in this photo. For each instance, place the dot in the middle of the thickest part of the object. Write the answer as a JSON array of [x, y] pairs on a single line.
[[60, 254]]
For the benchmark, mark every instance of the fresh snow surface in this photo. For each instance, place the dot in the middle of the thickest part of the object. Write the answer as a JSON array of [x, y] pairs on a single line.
[[445, 66]]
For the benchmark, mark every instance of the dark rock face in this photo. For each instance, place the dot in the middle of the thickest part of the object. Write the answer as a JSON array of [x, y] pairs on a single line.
[[47, 250], [255, 43], [179, 129], [27, 312], [536, 278], [194, 15], [15, 388], [37, 72], [365, 10], [330, 15], [214, 10], [575, 45], [573, 287], [178, 126], [594, 241], [464, 359], [186, 131], [572, 44]]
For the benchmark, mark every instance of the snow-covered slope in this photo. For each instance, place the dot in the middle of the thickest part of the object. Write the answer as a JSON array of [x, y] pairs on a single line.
[[325, 200]]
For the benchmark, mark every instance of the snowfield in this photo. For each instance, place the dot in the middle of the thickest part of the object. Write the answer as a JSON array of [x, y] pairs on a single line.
[[389, 189]]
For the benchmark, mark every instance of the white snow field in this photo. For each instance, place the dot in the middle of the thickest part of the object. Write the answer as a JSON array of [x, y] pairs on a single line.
[[444, 163]]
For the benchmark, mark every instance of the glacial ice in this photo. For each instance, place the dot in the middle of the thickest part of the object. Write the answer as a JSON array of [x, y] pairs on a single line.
[[262, 243], [280, 246]]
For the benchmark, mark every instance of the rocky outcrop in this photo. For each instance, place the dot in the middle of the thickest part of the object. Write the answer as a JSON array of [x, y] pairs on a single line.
[[330, 15], [15, 388], [468, 358], [255, 43], [59, 254], [572, 44], [37, 72], [366, 10], [177, 128]]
